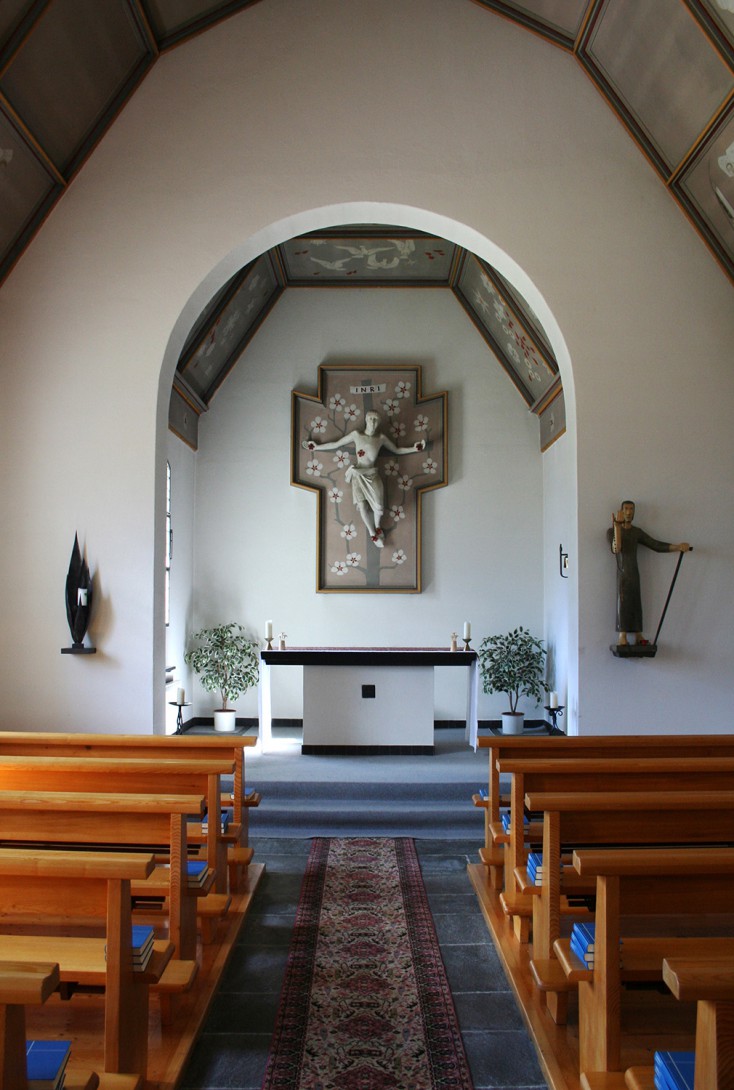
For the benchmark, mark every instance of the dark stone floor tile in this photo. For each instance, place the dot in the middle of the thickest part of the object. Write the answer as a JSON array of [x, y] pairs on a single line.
[[458, 927], [230, 1012], [475, 966], [442, 882], [487, 1012], [443, 864], [268, 847], [226, 1062], [266, 929], [441, 903], [254, 970], [503, 1060]]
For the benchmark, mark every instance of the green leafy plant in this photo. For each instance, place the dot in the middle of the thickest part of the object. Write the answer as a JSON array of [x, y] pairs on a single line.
[[512, 664], [225, 660]]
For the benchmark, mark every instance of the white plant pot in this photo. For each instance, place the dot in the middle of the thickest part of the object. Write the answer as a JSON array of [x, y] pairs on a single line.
[[513, 722], [225, 720]]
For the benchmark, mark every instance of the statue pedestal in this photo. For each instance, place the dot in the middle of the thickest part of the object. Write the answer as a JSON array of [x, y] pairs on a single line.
[[634, 650]]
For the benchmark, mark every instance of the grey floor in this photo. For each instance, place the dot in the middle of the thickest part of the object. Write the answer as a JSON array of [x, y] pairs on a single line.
[[232, 1049]]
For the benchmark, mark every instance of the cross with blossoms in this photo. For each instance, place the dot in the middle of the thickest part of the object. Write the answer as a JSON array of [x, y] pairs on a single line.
[[327, 457]]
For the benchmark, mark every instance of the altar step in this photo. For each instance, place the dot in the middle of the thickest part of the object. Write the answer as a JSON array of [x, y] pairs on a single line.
[[303, 809]]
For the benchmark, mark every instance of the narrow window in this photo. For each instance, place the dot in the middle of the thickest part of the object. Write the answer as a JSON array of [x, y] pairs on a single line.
[[169, 546]]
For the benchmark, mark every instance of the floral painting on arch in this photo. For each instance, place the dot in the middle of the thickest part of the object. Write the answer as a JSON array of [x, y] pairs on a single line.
[[369, 444]]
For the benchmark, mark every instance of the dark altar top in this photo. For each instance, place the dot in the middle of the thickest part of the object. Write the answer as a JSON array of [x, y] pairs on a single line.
[[368, 656]]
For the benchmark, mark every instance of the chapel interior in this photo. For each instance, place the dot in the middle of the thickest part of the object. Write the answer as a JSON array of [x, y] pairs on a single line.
[[212, 213]]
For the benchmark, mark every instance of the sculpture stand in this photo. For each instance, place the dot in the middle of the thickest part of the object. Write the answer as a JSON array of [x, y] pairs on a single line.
[[634, 650]]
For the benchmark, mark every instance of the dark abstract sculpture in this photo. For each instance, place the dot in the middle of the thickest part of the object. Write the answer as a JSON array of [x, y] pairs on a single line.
[[78, 596]]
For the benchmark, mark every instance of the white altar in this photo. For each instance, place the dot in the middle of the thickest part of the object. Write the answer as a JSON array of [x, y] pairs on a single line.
[[354, 699]]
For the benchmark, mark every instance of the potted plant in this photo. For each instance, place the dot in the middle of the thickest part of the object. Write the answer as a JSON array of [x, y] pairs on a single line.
[[512, 664], [226, 662]]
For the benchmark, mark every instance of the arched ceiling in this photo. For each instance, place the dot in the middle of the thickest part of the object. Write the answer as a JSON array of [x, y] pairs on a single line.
[[367, 256], [665, 67]]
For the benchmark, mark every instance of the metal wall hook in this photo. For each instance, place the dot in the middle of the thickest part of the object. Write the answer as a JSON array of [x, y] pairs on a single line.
[[562, 562]]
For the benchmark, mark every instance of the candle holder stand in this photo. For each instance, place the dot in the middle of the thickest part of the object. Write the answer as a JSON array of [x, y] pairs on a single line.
[[179, 717], [554, 713]]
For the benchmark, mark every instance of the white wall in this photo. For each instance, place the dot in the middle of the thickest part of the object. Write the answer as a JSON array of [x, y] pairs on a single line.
[[256, 534], [244, 136]]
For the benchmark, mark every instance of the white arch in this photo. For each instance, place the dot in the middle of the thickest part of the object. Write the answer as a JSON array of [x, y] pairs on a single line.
[[335, 215]]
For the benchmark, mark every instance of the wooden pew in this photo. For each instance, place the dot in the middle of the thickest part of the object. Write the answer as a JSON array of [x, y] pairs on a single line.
[[103, 818], [180, 746], [52, 892], [662, 882], [532, 775], [602, 818], [709, 982], [602, 746], [130, 776]]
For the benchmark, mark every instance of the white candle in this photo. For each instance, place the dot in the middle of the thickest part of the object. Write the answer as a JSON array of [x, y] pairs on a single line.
[[467, 630], [553, 701], [268, 630], [180, 696]]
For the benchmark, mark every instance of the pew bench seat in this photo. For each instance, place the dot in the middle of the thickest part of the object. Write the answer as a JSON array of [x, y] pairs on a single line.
[[605, 1080], [639, 1078], [81, 959], [151, 895], [239, 858], [81, 1080], [641, 957]]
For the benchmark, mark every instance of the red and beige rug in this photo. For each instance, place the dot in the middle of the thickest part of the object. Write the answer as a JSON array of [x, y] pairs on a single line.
[[365, 1003]]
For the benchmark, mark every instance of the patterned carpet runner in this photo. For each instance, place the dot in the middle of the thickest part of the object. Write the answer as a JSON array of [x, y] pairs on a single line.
[[365, 1003]]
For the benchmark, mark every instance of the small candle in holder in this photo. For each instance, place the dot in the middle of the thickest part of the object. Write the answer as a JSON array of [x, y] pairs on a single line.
[[467, 630], [268, 630], [553, 700], [180, 696]]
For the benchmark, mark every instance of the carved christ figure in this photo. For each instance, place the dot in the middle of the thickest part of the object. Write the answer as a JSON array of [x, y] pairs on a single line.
[[368, 489]]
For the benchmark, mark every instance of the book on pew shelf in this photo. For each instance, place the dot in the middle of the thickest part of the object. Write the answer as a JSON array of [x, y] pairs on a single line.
[[225, 820], [674, 1070], [583, 942], [46, 1064], [506, 820], [141, 946], [196, 870]]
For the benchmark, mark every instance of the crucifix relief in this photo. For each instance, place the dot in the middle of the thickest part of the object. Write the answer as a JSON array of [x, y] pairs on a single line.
[[369, 444]]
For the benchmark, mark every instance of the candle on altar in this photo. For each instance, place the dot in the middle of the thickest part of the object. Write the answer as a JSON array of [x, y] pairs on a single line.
[[268, 630], [467, 630]]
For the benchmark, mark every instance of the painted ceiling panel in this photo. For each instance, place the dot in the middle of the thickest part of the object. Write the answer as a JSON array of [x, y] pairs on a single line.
[[376, 258], [26, 190], [231, 322], [77, 61], [672, 92]]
